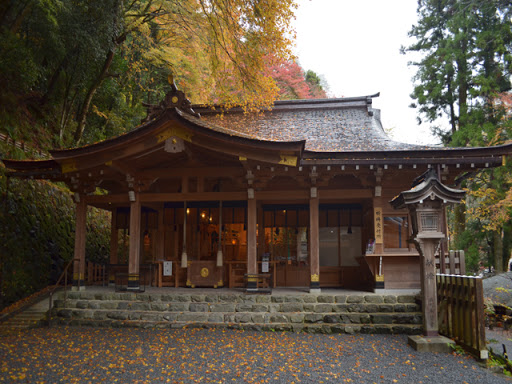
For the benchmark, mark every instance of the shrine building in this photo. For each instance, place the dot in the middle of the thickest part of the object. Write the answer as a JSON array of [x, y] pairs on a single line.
[[202, 197]]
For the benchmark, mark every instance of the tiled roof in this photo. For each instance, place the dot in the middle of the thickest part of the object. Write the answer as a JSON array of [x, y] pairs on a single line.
[[330, 125]]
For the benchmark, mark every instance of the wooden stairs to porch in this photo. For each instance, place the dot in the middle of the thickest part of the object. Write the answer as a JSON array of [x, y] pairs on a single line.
[[321, 313]]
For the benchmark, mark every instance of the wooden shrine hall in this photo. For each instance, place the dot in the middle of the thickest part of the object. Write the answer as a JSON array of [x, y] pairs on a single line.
[[300, 194]]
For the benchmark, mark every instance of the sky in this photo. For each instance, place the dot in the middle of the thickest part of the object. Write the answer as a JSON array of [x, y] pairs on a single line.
[[355, 46]]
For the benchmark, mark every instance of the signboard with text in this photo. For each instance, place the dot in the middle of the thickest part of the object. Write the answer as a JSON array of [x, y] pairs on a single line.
[[378, 225]]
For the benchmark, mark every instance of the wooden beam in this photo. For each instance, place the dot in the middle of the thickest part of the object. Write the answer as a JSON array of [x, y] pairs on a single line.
[[287, 195], [192, 196], [261, 231], [406, 162], [340, 194], [113, 238], [106, 199], [314, 232], [160, 235], [252, 265], [184, 184], [135, 243], [80, 236]]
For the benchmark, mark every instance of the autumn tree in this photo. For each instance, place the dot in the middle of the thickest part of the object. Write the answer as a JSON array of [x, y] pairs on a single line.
[[465, 63], [293, 82], [79, 55]]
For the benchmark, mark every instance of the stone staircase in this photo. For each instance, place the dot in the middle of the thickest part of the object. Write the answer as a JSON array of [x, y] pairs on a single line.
[[31, 317], [319, 313]]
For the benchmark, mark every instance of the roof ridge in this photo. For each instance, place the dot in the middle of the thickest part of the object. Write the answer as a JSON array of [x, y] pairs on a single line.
[[219, 108]]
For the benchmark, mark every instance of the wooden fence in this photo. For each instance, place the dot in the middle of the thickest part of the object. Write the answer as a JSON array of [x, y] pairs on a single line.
[[29, 150], [461, 312], [454, 263], [94, 273]]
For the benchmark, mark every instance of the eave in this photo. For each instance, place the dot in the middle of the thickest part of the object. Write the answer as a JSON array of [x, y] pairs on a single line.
[[151, 137], [480, 157]]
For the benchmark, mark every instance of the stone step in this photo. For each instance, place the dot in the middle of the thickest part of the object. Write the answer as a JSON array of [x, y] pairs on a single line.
[[242, 298], [26, 319], [32, 316], [236, 307], [365, 313], [242, 317], [22, 322], [407, 329]]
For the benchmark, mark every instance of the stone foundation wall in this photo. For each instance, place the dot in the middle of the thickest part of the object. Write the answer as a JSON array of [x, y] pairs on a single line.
[[311, 313]]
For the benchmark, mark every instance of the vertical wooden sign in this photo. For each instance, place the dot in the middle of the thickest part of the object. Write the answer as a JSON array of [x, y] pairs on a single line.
[[378, 225]]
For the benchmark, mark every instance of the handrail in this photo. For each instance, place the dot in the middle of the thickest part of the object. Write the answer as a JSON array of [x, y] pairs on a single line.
[[65, 275]]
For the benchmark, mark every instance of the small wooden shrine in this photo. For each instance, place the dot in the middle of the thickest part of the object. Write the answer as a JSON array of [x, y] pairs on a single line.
[[202, 197]]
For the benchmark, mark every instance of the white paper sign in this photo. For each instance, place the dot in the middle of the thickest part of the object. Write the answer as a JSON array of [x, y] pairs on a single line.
[[167, 268], [264, 267]]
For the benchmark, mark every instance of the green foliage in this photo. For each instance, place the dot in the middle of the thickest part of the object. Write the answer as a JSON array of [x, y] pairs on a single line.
[[78, 71], [462, 74], [457, 350], [465, 60], [474, 242], [37, 237]]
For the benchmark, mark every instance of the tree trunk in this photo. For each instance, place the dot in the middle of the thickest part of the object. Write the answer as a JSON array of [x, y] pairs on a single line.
[[82, 116], [459, 225], [21, 16], [462, 65], [498, 250]]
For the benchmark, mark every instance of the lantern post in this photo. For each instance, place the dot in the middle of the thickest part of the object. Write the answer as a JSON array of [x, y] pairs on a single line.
[[426, 201]]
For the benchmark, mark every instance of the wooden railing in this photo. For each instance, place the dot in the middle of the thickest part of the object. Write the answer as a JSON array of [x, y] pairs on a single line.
[[95, 273], [454, 263], [63, 276], [461, 312], [29, 150]]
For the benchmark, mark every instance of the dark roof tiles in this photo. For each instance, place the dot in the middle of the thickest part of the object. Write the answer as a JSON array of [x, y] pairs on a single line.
[[351, 128]]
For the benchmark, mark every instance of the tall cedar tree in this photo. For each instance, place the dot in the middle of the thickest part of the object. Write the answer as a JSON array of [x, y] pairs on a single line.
[[465, 64]]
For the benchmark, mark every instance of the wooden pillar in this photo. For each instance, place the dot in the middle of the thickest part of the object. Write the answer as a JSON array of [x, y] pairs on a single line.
[[135, 243], [261, 231], [426, 248], [158, 247], [220, 254], [114, 243], [252, 261], [314, 239], [378, 230], [160, 236], [80, 235]]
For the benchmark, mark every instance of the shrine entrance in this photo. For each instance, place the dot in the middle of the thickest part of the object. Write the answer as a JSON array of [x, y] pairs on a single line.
[[286, 250]]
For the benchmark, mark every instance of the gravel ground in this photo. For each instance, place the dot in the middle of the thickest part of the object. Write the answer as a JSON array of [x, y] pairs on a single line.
[[498, 337], [90, 355]]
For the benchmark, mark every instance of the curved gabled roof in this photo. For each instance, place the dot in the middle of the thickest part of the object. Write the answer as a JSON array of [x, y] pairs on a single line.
[[428, 188], [328, 131], [150, 138], [327, 125], [153, 129]]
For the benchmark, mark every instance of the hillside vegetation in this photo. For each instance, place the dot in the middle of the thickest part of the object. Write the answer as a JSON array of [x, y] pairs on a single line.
[[76, 72]]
